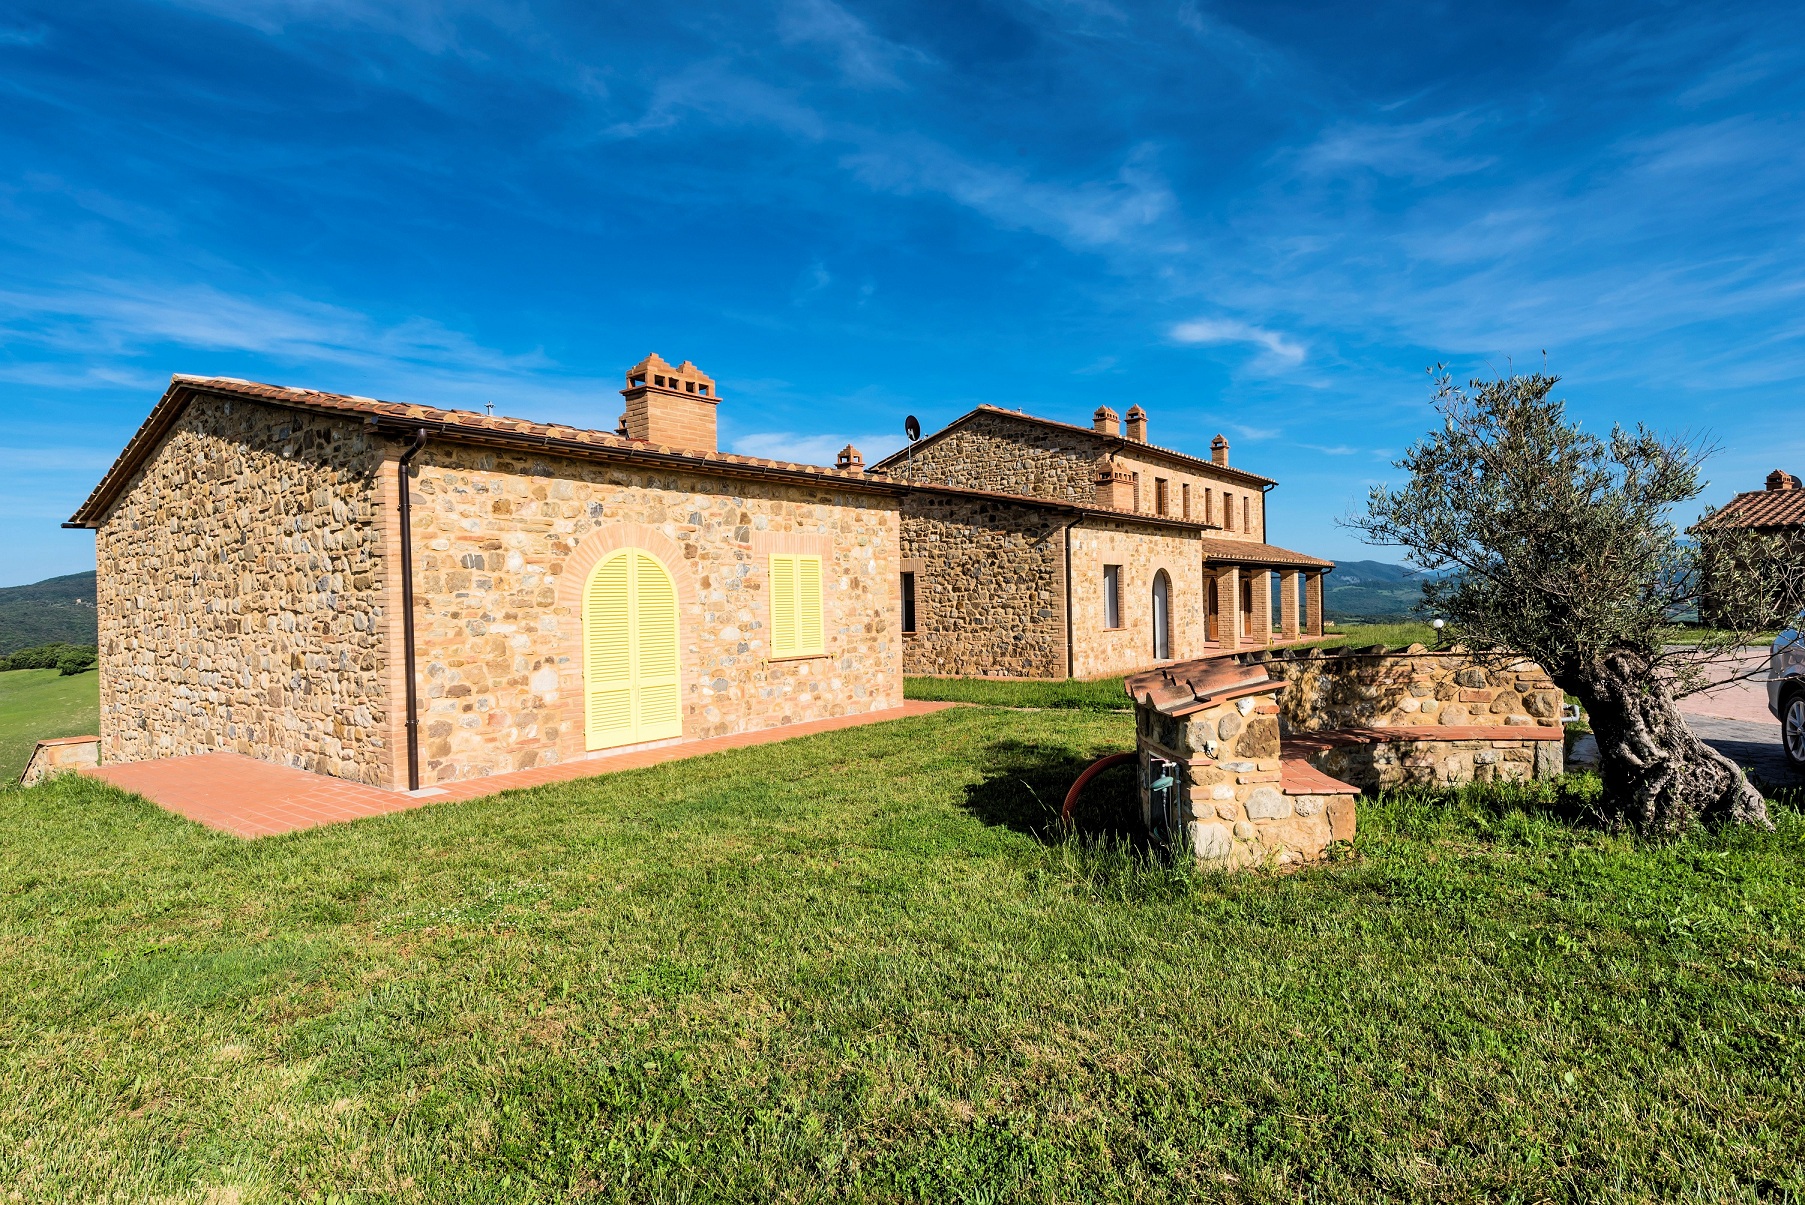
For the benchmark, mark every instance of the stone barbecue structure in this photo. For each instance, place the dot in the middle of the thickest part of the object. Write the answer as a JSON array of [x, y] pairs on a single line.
[[1038, 549], [403, 595]]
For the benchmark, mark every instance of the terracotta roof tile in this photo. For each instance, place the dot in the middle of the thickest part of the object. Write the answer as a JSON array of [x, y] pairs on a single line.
[[901, 456], [457, 425], [1246, 552], [1761, 508]]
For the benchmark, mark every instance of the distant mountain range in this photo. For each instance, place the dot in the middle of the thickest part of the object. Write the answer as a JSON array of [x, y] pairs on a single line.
[[1371, 590], [57, 610], [62, 608]]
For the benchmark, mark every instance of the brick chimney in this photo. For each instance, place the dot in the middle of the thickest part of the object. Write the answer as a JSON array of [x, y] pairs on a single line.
[[1137, 424], [1104, 420], [671, 406], [849, 458], [1219, 451], [1780, 479], [1115, 488]]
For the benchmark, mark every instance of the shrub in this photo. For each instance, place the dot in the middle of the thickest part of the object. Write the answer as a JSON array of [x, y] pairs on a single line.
[[53, 656]]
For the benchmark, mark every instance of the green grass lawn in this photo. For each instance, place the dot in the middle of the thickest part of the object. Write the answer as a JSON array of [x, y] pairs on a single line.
[[853, 967], [37, 704]]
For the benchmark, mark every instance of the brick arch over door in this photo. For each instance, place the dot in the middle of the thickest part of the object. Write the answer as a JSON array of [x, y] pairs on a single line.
[[577, 566]]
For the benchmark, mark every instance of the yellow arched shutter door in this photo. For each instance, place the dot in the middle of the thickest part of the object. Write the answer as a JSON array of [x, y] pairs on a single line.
[[630, 662], [655, 630]]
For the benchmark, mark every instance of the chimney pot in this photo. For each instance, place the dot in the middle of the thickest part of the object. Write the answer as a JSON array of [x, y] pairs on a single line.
[[850, 458], [1137, 424], [672, 406], [1115, 488], [1780, 479], [1219, 451], [1104, 420]]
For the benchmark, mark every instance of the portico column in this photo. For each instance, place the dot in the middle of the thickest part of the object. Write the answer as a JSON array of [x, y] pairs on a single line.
[[1313, 604], [1262, 607], [1228, 607], [1288, 627]]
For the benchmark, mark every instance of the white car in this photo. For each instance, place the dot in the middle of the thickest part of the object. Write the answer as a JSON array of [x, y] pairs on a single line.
[[1786, 690]]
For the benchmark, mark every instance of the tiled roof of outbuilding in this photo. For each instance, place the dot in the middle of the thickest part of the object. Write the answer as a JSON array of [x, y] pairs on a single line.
[[1762, 509], [462, 426]]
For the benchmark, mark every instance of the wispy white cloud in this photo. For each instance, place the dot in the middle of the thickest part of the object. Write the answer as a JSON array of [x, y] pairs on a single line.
[[865, 59], [816, 448], [1205, 331]]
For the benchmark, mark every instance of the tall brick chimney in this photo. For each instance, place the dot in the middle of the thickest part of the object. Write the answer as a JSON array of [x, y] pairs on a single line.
[[1137, 424], [1780, 479], [671, 406], [1219, 451], [1115, 488], [1104, 420]]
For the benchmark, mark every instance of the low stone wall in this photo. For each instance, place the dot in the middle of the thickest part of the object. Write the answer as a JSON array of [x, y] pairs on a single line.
[[1232, 800], [1408, 688], [1431, 761], [61, 756]]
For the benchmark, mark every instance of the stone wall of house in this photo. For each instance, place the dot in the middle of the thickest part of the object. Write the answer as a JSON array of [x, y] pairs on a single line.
[[1142, 550], [993, 453], [1232, 802], [989, 589], [240, 589], [504, 542], [1000, 454], [1345, 688]]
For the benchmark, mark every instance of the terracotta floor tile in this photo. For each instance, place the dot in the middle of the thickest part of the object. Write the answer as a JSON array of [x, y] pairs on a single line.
[[251, 798]]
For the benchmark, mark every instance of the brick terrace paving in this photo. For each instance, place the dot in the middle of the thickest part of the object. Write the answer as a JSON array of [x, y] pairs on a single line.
[[252, 798]]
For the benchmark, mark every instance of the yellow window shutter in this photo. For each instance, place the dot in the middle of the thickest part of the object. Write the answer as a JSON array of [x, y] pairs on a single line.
[[783, 606], [808, 604]]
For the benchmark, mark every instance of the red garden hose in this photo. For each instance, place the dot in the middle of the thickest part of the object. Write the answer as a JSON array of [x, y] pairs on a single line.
[[1097, 767]]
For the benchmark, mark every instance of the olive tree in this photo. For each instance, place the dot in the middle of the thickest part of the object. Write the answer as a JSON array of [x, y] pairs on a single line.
[[1548, 541]]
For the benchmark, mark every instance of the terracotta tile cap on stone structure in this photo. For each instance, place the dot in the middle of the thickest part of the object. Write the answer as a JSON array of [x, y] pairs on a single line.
[[1189, 686]]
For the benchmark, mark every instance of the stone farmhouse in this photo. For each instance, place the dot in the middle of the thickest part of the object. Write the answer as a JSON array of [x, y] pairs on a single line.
[[404, 595], [1039, 549]]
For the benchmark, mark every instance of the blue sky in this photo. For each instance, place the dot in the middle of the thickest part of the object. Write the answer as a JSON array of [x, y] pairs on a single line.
[[1264, 219]]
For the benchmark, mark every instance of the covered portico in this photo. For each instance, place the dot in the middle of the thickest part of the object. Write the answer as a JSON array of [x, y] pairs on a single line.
[[1238, 594]]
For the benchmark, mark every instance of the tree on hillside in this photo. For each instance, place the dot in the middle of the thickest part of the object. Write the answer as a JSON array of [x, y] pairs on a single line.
[[1562, 547]]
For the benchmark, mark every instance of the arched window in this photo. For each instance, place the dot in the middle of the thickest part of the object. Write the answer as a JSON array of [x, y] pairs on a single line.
[[630, 670], [1162, 613]]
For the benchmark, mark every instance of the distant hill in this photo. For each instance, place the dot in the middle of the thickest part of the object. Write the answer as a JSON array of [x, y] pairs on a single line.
[[58, 609], [1371, 590]]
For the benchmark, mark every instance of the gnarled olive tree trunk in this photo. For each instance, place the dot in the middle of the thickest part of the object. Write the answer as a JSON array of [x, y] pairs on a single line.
[[1658, 777]]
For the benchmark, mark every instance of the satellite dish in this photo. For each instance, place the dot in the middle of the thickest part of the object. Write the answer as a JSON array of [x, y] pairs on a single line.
[[912, 428]]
